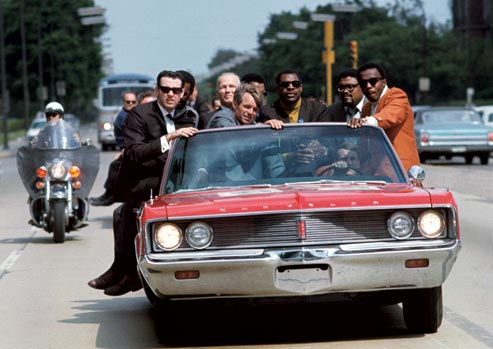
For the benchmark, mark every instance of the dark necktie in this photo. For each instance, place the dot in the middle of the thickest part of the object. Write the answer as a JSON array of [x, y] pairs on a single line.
[[349, 114]]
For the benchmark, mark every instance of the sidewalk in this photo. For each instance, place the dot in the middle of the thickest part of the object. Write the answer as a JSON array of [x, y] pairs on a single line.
[[13, 147]]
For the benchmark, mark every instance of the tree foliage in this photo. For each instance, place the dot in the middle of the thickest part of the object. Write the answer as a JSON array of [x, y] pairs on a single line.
[[58, 48], [398, 36]]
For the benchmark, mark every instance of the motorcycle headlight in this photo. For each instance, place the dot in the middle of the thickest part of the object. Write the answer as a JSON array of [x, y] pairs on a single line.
[[199, 235], [168, 236], [58, 171], [400, 225], [431, 224]]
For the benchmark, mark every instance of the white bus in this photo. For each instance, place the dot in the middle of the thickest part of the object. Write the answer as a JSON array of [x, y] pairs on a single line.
[[109, 102]]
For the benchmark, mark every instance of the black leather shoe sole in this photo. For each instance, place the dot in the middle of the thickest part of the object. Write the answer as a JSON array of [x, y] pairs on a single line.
[[127, 284], [108, 279], [106, 202]]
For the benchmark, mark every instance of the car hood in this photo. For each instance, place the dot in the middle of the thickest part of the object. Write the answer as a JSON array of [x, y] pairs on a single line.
[[454, 128], [292, 197]]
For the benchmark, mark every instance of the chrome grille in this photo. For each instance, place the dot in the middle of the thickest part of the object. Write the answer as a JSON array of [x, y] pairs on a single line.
[[282, 229]]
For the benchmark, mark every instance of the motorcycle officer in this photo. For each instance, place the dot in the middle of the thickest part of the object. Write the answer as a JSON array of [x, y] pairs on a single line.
[[54, 111]]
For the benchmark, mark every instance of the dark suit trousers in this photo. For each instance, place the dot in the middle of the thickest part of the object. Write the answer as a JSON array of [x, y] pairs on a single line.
[[124, 232], [112, 174]]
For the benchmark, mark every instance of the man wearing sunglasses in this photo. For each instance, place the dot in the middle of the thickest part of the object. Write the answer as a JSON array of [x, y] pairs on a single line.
[[351, 97], [149, 130], [390, 108], [290, 107], [129, 100], [54, 111]]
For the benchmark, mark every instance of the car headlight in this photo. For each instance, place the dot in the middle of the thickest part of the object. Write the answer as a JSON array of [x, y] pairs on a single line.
[[107, 126], [400, 225], [431, 224], [168, 236], [199, 235], [58, 171]]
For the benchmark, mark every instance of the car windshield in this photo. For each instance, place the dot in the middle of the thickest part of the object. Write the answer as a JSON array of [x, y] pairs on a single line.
[[38, 124], [261, 156], [448, 116]]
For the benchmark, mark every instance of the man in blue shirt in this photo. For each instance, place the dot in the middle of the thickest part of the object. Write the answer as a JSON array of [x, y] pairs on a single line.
[[129, 101]]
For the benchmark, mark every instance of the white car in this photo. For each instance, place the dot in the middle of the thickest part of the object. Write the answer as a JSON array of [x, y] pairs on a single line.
[[486, 112], [40, 120]]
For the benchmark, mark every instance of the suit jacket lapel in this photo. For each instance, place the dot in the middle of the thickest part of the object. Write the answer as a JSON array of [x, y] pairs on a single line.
[[158, 114]]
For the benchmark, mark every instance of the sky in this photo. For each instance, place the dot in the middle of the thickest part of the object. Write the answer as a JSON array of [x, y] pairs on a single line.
[[152, 35]]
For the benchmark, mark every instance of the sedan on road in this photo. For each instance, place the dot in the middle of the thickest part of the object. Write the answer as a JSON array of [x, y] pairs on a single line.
[[312, 212], [452, 131]]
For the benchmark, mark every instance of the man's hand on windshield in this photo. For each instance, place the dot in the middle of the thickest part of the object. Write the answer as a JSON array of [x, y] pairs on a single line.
[[275, 124]]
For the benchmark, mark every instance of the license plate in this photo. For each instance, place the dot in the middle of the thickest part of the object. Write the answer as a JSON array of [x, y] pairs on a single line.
[[303, 279], [458, 149]]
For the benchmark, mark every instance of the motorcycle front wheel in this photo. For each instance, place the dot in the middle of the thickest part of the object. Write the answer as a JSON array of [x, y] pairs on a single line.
[[59, 221]]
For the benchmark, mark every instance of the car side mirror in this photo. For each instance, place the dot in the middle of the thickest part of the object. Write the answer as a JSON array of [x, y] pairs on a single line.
[[417, 175]]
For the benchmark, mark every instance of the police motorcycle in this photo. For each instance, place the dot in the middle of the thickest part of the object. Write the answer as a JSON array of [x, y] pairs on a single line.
[[58, 171]]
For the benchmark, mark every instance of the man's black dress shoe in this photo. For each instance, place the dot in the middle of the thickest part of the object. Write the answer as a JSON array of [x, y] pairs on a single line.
[[108, 279], [104, 200], [127, 284]]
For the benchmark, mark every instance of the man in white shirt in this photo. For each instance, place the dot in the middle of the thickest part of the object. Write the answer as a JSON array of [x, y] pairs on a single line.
[[148, 132], [352, 98]]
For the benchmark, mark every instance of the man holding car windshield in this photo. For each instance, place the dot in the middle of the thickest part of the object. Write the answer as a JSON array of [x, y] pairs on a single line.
[[149, 130], [389, 108], [291, 107]]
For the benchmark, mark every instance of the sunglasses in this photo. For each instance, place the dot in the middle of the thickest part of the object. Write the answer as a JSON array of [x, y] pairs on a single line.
[[348, 87], [51, 114], [372, 81], [295, 83], [131, 102], [175, 90]]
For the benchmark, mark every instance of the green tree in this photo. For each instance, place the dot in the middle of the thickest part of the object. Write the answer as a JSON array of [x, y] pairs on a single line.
[[399, 36], [58, 48]]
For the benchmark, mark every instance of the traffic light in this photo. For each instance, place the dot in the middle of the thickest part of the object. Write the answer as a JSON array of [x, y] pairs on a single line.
[[353, 53]]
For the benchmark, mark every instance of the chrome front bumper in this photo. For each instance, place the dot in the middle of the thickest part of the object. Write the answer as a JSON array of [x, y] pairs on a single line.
[[305, 271]]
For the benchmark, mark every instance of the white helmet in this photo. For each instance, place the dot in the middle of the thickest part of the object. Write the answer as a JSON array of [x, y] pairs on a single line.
[[54, 107]]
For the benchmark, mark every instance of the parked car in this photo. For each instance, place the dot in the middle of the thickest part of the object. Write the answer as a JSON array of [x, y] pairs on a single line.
[[452, 131], [40, 120], [486, 113], [238, 217]]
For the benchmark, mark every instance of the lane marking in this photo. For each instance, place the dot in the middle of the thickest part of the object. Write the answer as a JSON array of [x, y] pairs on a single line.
[[9, 262], [476, 331]]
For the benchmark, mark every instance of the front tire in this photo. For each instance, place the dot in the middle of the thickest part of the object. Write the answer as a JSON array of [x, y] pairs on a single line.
[[423, 310], [484, 158], [159, 304], [59, 221]]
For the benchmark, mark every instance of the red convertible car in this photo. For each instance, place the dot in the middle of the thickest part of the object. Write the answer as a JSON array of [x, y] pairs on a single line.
[[314, 211]]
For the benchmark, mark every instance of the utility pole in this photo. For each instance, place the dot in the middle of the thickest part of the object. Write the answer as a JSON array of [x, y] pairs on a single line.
[[4, 107], [328, 56]]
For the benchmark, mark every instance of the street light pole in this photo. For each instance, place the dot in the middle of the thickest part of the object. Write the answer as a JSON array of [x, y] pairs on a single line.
[[329, 56]]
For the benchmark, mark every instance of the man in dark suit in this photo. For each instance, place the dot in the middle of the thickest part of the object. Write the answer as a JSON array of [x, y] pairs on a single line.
[[290, 107], [351, 98], [149, 129]]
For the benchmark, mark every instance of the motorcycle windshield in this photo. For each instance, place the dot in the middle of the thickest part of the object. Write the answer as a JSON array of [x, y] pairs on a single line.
[[57, 134], [58, 142]]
